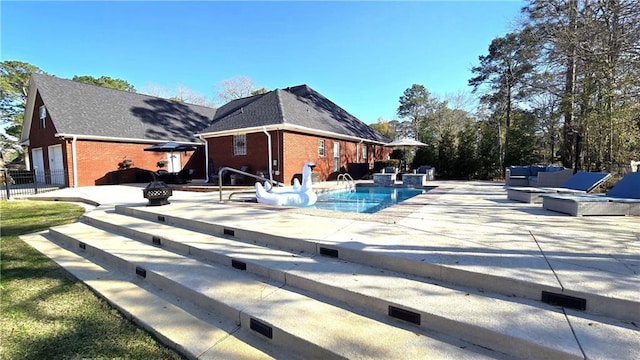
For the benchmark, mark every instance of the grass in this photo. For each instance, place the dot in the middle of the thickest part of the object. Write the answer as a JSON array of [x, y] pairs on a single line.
[[45, 312]]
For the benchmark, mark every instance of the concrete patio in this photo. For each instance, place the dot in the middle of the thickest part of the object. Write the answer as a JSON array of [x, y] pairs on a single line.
[[458, 272]]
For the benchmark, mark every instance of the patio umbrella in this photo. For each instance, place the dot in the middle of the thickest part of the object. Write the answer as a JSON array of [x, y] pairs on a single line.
[[405, 144], [171, 147]]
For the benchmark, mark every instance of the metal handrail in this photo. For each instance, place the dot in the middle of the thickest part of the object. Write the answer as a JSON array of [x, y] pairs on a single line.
[[240, 193], [346, 177], [226, 168]]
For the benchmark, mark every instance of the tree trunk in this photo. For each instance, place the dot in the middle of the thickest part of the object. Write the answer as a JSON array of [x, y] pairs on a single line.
[[570, 87]]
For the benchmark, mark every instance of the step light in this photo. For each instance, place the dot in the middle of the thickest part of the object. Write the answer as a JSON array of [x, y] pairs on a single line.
[[229, 232], [141, 272], [161, 218], [156, 240], [238, 265], [406, 315], [261, 328], [82, 245], [328, 252], [567, 301]]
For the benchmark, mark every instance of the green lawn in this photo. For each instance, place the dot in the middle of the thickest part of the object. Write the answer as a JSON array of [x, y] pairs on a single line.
[[46, 313]]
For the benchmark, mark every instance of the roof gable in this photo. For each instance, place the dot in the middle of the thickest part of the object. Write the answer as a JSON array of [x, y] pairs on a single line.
[[306, 107], [255, 111], [89, 110], [298, 107]]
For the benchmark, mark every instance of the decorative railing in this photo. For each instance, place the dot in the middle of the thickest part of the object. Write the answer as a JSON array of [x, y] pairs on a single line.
[[29, 182]]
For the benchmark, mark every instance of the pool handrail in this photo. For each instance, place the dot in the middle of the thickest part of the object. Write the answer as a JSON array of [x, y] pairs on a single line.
[[230, 169], [350, 184]]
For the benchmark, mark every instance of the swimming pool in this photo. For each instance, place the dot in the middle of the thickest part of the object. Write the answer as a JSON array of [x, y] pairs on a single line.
[[365, 199]]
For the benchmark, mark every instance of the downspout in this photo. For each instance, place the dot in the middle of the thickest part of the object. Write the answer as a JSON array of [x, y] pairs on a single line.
[[206, 159], [270, 167], [74, 161]]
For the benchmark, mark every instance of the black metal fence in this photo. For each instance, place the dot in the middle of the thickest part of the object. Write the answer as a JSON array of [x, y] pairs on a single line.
[[28, 182]]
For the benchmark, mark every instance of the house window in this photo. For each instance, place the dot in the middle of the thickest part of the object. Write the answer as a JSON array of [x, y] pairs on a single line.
[[321, 147], [239, 144], [43, 116], [336, 156], [365, 153]]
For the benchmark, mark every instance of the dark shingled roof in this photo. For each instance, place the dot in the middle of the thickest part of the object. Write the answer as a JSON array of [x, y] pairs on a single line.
[[299, 106], [89, 110]]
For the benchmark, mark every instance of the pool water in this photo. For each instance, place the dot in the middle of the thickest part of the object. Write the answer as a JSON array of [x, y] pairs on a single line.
[[365, 199]]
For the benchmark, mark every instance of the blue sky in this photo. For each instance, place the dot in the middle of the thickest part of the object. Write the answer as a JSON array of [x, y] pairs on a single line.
[[361, 55]]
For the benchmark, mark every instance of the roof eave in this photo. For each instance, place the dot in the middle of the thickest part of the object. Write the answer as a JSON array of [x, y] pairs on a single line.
[[120, 139], [240, 131], [28, 110], [290, 127]]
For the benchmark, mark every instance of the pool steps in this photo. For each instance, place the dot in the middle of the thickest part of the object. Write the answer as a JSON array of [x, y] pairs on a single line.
[[251, 285]]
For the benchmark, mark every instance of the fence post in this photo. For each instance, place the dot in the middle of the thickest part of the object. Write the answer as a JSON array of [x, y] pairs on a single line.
[[6, 182], [34, 176]]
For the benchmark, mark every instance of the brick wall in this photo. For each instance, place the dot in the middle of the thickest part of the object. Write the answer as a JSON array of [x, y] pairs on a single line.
[[290, 150], [96, 159], [257, 157], [43, 137]]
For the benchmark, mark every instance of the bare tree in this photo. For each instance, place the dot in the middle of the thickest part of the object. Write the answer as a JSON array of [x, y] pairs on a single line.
[[181, 93], [235, 88], [153, 89], [185, 94]]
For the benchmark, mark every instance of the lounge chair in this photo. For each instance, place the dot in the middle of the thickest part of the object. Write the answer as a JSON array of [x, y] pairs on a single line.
[[622, 199], [580, 183], [537, 175], [390, 170], [428, 171]]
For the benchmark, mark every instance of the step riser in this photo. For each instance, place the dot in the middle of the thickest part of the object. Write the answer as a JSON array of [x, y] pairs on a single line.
[[214, 229], [310, 351], [199, 299], [473, 334], [182, 249], [96, 255], [113, 262], [488, 338], [599, 305], [369, 258], [279, 338]]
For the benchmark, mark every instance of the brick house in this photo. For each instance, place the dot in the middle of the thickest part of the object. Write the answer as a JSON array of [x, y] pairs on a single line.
[[78, 134], [301, 125]]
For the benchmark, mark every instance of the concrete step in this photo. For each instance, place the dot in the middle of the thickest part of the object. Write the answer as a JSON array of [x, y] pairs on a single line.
[[490, 320], [179, 325], [318, 235], [285, 317]]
